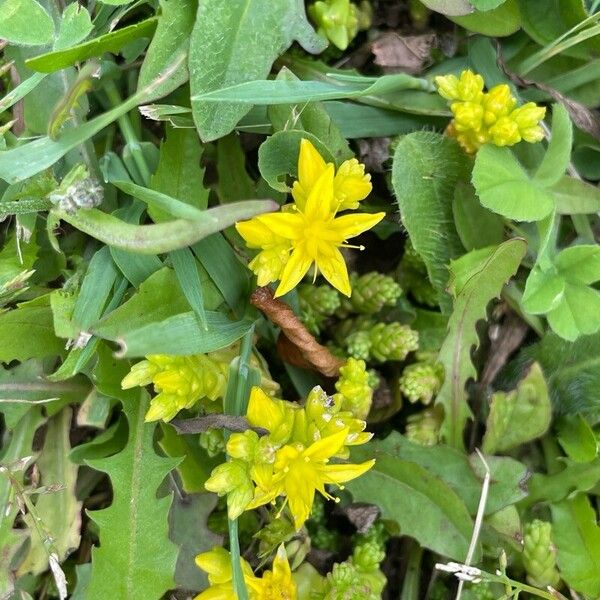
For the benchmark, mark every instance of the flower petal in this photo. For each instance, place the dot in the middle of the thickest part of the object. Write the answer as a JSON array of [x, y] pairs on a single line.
[[285, 225], [351, 225], [295, 269], [264, 411], [320, 204], [326, 447], [334, 270], [256, 234], [345, 472], [310, 167], [351, 184]]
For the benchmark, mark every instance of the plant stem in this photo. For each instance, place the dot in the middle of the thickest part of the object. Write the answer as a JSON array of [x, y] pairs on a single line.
[[410, 587], [129, 134]]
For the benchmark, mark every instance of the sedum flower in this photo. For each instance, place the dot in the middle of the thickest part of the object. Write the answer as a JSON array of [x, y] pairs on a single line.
[[350, 184], [488, 117], [276, 584], [299, 472], [179, 380], [311, 233], [539, 554], [294, 459]]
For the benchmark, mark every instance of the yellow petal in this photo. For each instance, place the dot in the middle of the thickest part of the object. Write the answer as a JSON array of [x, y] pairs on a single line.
[[281, 566], [319, 205], [345, 472], [300, 484], [216, 563], [310, 167], [295, 269], [263, 411], [256, 234], [217, 592], [351, 184], [326, 447], [351, 225], [334, 270], [285, 225]]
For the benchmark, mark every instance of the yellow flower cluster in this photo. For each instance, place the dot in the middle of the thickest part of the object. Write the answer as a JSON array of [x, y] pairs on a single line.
[[293, 459], [309, 231], [488, 117], [181, 381], [276, 584]]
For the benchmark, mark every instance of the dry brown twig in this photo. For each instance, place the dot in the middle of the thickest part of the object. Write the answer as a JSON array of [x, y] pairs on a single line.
[[298, 345]]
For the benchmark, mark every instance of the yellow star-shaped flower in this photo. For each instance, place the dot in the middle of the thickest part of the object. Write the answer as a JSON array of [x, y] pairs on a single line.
[[314, 233], [350, 184]]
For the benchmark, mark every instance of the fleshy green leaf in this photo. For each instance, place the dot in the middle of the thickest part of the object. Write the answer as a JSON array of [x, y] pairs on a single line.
[[59, 511], [576, 534], [135, 559], [577, 438], [504, 187], [498, 22], [478, 278], [225, 49], [427, 167], [450, 7], [518, 416]]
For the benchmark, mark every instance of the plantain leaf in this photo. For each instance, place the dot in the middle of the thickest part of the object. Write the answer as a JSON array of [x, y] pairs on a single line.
[[477, 278], [59, 510], [238, 41], [426, 169], [135, 559]]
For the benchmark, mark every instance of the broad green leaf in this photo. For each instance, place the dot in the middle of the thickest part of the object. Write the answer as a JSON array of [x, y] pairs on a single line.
[[278, 157], [186, 270], [311, 117], [498, 22], [183, 334], [519, 416], [230, 276], [580, 264], [426, 169], [558, 154], [106, 443], [17, 446], [575, 197], [476, 226], [109, 42], [421, 503], [576, 534], [135, 559], [188, 529], [95, 289], [463, 473], [59, 511], [25, 22], [27, 331], [225, 50], [504, 187], [544, 291], [179, 174], [487, 274], [577, 314], [162, 237], [577, 438], [75, 26], [171, 38], [572, 371], [158, 298], [450, 7]]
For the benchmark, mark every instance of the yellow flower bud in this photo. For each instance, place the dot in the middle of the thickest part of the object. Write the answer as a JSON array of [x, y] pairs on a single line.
[[268, 264], [242, 445], [467, 115], [527, 118], [470, 86], [232, 478], [447, 86], [499, 101], [505, 132]]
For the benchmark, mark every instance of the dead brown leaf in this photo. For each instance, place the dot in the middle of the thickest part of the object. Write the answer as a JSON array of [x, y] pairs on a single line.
[[403, 54]]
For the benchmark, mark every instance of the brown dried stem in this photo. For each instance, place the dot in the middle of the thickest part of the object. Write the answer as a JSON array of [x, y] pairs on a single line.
[[308, 351]]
